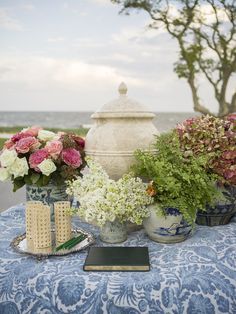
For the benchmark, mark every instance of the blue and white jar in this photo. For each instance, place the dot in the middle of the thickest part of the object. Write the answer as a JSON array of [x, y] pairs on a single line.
[[223, 210], [168, 228], [47, 194]]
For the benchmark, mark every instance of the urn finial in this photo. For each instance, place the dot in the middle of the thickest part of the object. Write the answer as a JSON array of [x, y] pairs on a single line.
[[122, 88]]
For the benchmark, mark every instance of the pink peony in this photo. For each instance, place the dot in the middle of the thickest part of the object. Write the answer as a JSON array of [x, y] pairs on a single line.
[[54, 148], [27, 144], [37, 157], [71, 157], [8, 144]]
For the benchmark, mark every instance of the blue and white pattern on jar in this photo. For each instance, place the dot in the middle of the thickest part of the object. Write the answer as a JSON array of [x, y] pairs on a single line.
[[169, 227]]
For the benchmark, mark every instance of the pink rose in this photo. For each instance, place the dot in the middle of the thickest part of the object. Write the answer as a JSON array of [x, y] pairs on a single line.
[[34, 130], [27, 144], [18, 136], [54, 148], [8, 144], [79, 140], [37, 157], [71, 157]]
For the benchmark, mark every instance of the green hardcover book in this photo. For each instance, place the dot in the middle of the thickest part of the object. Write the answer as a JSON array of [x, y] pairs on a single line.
[[117, 259]]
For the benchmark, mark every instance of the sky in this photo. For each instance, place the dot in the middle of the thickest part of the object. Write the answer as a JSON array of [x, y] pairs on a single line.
[[72, 55]]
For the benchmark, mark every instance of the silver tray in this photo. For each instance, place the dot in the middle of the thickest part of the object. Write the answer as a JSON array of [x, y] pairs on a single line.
[[20, 244]]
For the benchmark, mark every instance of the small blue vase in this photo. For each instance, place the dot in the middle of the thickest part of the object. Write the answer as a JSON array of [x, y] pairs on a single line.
[[222, 212], [47, 194], [167, 228]]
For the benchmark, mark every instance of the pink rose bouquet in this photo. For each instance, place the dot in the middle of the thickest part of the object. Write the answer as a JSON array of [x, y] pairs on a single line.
[[37, 156]]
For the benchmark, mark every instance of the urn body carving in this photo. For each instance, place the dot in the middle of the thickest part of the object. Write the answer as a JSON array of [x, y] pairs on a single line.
[[120, 127]]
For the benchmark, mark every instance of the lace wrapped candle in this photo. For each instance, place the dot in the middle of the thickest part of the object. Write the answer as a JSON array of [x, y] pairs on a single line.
[[62, 222], [42, 229], [29, 211]]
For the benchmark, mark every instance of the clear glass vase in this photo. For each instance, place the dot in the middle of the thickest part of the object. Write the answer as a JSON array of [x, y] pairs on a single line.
[[113, 232]]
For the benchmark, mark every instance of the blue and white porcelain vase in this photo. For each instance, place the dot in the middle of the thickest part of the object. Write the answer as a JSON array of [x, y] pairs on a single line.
[[223, 211], [167, 228], [113, 232], [47, 194]]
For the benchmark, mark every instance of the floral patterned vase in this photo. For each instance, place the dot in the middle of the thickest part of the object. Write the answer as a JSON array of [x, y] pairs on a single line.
[[168, 228], [221, 213], [113, 232], [47, 194]]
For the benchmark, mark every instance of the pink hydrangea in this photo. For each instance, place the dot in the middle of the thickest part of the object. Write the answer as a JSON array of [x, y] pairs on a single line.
[[37, 157], [71, 157], [27, 144], [54, 148]]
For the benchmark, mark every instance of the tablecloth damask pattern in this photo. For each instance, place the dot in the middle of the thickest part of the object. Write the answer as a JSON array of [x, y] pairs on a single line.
[[195, 276]]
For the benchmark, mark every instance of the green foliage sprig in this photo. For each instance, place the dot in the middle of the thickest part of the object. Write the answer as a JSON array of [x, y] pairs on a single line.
[[178, 182]]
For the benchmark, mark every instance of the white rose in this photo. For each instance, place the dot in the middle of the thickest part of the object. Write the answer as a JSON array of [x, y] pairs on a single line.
[[45, 135], [8, 157], [19, 168], [47, 166], [4, 174]]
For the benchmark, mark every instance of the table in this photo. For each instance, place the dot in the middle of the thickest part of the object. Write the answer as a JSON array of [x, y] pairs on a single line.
[[195, 276]]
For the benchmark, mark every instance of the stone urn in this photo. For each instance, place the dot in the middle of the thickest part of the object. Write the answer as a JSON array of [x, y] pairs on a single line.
[[120, 127]]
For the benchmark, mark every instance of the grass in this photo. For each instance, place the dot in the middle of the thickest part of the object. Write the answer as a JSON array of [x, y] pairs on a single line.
[[15, 129], [2, 140]]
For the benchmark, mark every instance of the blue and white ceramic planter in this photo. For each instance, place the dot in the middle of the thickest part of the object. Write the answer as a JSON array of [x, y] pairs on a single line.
[[222, 212], [47, 194], [113, 232], [168, 228]]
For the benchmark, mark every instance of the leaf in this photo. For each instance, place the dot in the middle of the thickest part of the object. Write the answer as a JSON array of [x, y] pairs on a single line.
[[35, 177], [17, 184], [46, 179], [28, 179]]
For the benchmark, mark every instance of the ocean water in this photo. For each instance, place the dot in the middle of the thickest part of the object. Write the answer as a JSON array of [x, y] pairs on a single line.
[[164, 121]]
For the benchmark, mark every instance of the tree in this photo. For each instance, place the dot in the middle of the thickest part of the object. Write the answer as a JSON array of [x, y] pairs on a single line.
[[206, 34]]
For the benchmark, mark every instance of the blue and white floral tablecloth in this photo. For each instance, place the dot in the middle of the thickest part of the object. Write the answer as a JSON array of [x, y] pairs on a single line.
[[195, 276]]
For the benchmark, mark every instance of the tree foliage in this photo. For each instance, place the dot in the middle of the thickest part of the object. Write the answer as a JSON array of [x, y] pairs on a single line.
[[206, 34]]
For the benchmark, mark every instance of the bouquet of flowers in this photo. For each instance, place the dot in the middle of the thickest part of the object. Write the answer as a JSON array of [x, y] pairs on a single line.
[[37, 156], [214, 137], [103, 199]]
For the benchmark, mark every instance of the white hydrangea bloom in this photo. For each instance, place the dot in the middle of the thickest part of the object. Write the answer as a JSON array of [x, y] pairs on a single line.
[[102, 199]]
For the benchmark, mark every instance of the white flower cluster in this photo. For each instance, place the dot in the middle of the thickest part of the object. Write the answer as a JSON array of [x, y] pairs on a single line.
[[102, 199]]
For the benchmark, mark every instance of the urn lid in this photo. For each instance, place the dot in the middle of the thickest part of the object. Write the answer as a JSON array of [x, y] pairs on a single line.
[[123, 107]]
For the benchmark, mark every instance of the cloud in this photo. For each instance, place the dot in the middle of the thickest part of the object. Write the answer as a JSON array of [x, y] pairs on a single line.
[[55, 39], [37, 72], [9, 23], [102, 2], [28, 7], [87, 42]]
